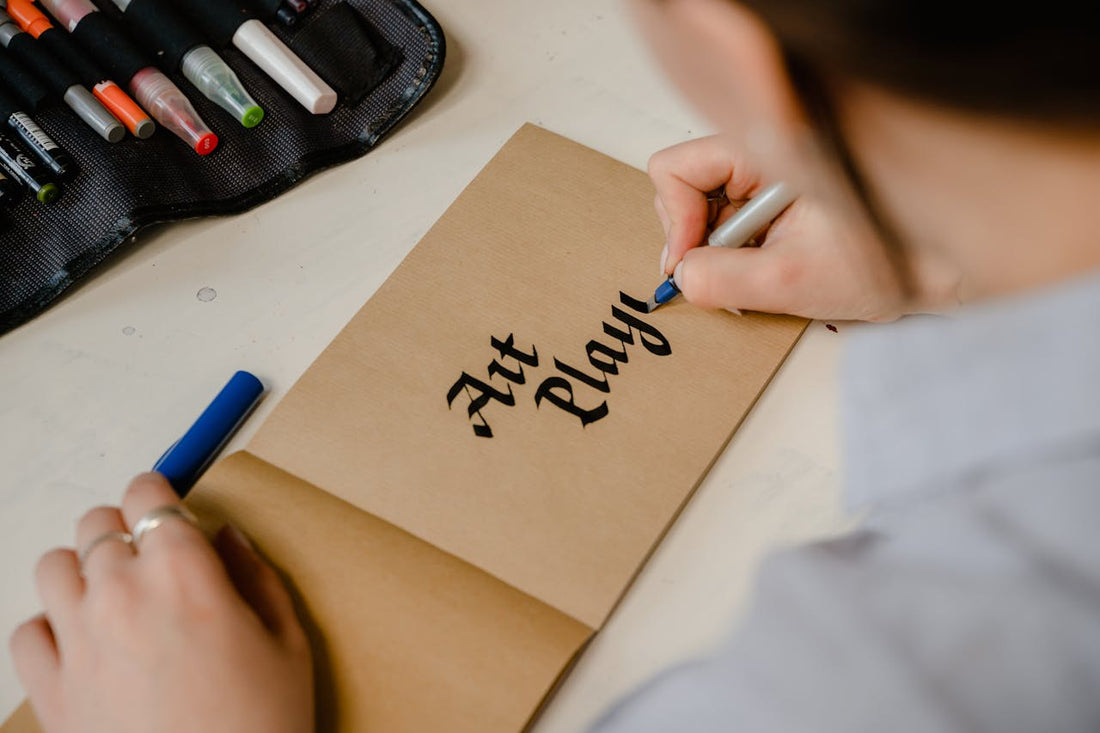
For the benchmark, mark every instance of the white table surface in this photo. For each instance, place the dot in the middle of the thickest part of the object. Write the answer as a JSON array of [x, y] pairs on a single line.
[[94, 389]]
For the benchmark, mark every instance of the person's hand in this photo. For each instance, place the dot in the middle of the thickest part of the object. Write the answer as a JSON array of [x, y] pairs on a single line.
[[177, 636], [810, 263]]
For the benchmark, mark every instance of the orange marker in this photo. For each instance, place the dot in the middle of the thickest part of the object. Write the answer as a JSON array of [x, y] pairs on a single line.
[[125, 109], [34, 21]]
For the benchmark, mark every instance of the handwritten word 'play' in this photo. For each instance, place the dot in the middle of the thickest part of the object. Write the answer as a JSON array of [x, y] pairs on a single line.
[[558, 390]]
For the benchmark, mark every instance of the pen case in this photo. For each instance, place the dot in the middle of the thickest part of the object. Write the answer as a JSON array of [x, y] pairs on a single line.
[[382, 56]]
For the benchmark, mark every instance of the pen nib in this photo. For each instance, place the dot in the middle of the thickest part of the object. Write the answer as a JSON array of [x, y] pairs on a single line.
[[651, 305]]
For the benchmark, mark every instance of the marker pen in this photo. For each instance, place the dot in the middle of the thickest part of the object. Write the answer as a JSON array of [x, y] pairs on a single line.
[[759, 211], [230, 21], [154, 91], [64, 82], [51, 154], [9, 188], [286, 12], [27, 171], [177, 45], [57, 42], [187, 458]]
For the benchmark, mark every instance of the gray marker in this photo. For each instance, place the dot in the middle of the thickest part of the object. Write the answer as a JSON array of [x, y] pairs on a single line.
[[757, 213]]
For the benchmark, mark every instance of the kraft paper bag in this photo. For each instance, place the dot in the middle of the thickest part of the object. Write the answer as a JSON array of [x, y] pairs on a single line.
[[464, 484]]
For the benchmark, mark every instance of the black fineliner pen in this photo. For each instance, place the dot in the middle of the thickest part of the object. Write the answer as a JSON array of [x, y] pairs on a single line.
[[9, 188], [27, 171], [286, 12], [52, 155]]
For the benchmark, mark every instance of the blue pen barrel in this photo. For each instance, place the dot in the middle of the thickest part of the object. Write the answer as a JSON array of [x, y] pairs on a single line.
[[185, 461]]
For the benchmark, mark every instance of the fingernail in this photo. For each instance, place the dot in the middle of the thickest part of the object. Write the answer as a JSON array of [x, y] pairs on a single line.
[[664, 261], [238, 537], [678, 275], [734, 311]]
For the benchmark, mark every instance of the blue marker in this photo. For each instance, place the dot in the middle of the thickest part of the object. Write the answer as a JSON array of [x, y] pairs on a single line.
[[757, 213], [184, 462]]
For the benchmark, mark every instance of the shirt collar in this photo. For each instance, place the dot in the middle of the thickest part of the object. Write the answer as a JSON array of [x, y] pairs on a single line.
[[932, 403]]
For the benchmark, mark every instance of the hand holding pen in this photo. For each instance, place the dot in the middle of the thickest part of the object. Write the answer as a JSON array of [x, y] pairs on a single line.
[[751, 217], [813, 261]]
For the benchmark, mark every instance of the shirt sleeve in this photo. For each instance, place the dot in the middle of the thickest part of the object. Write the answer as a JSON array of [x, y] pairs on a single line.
[[980, 612]]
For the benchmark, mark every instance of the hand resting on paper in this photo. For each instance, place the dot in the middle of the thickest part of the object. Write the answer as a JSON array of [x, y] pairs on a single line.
[[810, 263], [180, 635]]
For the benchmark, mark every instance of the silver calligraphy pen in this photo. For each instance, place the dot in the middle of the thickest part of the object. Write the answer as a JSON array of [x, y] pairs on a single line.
[[758, 212]]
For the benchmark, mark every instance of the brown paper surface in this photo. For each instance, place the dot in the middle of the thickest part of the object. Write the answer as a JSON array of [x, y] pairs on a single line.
[[21, 721], [536, 249], [405, 636]]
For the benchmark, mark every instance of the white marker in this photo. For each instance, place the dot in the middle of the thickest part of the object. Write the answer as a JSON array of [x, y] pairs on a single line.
[[258, 43]]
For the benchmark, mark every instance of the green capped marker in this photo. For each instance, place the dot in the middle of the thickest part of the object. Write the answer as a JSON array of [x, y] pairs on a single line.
[[213, 77], [48, 193], [252, 116]]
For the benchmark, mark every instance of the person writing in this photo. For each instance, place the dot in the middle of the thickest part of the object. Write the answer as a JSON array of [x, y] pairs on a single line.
[[946, 155]]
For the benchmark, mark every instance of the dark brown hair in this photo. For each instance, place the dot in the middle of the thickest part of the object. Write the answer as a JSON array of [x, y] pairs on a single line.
[[1032, 62]]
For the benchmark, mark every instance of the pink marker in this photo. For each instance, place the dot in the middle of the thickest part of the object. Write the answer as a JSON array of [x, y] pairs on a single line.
[[153, 90]]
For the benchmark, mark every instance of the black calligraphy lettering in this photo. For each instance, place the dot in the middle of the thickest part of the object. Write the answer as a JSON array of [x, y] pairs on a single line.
[[507, 349], [558, 391], [633, 303], [656, 343], [496, 368], [607, 367], [601, 385], [487, 393], [627, 328], [625, 337]]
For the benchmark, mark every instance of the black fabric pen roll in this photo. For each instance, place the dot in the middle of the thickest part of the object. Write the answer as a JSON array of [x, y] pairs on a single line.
[[22, 83], [60, 79], [52, 155]]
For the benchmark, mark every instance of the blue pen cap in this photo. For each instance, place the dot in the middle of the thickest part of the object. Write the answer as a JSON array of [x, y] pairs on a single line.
[[184, 462], [666, 291]]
